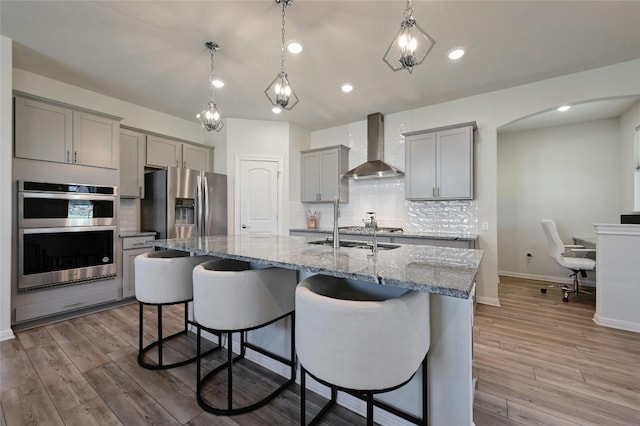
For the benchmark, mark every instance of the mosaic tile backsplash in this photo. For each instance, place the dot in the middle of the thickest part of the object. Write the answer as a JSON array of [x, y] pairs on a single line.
[[386, 196]]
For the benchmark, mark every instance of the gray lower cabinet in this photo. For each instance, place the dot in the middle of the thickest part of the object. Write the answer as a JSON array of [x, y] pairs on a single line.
[[67, 299], [132, 247], [467, 243]]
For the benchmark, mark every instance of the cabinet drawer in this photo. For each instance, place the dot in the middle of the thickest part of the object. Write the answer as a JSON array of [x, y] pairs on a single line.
[[27, 312], [129, 243]]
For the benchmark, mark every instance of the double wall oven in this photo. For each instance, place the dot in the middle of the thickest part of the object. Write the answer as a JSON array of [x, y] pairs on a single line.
[[66, 234]]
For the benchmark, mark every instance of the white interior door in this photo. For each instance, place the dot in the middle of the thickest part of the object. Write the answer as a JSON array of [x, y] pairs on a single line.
[[259, 196]]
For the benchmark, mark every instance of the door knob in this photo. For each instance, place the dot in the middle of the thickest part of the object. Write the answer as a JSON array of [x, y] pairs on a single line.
[[244, 226]]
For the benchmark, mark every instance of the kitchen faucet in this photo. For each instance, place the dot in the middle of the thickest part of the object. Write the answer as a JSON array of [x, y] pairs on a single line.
[[371, 223], [336, 214]]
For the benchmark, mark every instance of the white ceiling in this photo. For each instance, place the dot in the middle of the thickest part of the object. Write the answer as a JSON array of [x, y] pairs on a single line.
[[152, 53]]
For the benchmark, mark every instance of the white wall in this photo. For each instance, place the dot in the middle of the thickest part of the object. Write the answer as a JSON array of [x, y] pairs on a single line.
[[6, 214], [570, 174], [630, 158], [255, 137]]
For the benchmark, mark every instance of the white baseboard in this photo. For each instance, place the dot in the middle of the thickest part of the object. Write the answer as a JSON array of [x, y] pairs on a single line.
[[614, 323], [548, 278], [7, 335], [492, 301]]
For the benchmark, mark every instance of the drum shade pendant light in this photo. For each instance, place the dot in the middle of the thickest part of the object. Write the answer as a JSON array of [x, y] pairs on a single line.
[[410, 46], [210, 116], [280, 93]]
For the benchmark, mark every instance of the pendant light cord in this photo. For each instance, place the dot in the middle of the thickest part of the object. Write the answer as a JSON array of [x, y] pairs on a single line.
[[284, 6]]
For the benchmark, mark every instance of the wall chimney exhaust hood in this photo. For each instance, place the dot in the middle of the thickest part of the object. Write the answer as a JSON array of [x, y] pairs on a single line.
[[374, 167]]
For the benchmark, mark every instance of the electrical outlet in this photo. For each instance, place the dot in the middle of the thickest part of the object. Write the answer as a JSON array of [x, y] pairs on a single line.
[[485, 226], [529, 257]]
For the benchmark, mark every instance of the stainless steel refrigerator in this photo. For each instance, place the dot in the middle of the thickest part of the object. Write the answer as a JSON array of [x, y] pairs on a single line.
[[182, 203]]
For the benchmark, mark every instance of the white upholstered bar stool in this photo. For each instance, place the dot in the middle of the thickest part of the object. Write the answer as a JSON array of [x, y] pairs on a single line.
[[354, 340], [163, 278], [229, 297]]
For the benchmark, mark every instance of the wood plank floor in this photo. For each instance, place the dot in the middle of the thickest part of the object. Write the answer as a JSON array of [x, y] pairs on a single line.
[[538, 361]]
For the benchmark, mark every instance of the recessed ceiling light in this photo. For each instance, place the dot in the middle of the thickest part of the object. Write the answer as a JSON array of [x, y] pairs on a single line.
[[276, 110], [564, 108], [294, 47], [217, 83], [346, 88], [456, 53]]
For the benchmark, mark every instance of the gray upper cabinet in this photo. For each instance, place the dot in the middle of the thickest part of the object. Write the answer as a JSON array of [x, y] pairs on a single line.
[[162, 152], [196, 157], [321, 171], [132, 150], [439, 163], [52, 132]]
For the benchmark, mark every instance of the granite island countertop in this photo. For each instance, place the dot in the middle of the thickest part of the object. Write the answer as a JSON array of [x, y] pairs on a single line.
[[439, 270]]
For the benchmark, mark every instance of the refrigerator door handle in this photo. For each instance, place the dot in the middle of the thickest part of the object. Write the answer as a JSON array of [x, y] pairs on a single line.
[[198, 206], [205, 206]]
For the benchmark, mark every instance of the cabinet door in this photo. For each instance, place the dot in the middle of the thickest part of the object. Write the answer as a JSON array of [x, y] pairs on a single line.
[[420, 180], [128, 271], [310, 172], [196, 157], [163, 152], [95, 140], [131, 164], [455, 164], [43, 131], [329, 174]]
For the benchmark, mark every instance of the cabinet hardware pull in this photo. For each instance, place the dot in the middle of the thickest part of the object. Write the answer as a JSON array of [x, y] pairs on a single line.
[[69, 305], [433, 191], [75, 156], [68, 156], [138, 244], [140, 191]]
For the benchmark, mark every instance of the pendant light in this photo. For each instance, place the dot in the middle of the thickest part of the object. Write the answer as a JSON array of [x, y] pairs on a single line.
[[279, 92], [410, 46], [210, 116]]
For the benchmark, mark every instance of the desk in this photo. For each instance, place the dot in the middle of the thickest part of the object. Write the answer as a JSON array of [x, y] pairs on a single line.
[[447, 273]]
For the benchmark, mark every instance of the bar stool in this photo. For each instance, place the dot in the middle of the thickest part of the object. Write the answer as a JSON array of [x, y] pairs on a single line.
[[229, 297], [351, 339], [164, 278]]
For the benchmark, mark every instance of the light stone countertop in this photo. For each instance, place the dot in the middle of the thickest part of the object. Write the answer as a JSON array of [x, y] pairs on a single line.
[[439, 270]]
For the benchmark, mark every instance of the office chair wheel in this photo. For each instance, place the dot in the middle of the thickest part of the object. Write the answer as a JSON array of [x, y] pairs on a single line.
[[543, 290]]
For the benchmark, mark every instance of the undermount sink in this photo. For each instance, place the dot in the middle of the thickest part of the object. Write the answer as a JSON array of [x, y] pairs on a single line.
[[355, 244]]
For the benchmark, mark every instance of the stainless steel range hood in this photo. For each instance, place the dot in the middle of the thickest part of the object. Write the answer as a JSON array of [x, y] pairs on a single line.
[[375, 167]]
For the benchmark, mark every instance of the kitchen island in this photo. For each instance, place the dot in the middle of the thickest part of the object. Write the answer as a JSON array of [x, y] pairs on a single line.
[[447, 273]]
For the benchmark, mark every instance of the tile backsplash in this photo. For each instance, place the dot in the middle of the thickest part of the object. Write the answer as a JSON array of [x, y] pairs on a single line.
[[386, 196], [128, 217]]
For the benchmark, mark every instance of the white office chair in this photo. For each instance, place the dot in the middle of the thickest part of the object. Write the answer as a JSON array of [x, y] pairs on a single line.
[[557, 250]]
